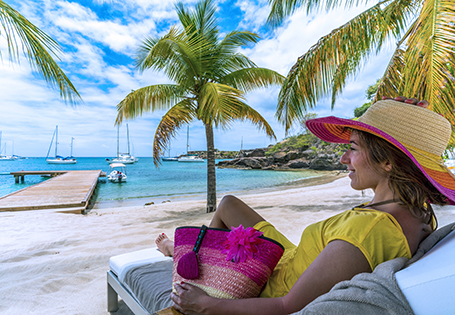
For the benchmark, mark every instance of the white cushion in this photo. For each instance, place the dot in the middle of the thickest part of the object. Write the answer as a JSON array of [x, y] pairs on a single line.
[[429, 283], [120, 264]]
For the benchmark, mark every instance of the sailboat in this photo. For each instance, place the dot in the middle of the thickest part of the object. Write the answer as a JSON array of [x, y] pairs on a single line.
[[125, 158], [169, 157], [189, 157], [5, 157], [59, 159]]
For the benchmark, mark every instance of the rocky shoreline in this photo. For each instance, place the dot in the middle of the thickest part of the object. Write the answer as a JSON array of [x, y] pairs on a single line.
[[321, 156]]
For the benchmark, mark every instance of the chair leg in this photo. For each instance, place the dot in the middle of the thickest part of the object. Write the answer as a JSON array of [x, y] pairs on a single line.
[[112, 299]]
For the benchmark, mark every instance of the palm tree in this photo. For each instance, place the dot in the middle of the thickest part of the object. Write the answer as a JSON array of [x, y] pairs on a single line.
[[38, 47], [421, 66], [210, 82]]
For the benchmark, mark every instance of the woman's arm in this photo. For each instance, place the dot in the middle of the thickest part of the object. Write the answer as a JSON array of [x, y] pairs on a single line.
[[337, 262]]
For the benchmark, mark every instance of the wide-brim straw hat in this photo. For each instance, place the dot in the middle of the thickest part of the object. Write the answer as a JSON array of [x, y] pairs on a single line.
[[420, 133]]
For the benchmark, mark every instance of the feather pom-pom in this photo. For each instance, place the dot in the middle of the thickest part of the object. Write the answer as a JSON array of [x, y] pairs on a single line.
[[241, 243]]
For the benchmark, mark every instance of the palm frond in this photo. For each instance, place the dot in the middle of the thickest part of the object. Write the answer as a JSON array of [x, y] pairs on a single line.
[[39, 48], [250, 114], [180, 114], [182, 58], [216, 104], [429, 55], [394, 17], [235, 39], [338, 55], [226, 60], [226, 64], [146, 99], [168, 53], [221, 105], [185, 17], [201, 21], [250, 79], [392, 83], [207, 24], [280, 9], [422, 66]]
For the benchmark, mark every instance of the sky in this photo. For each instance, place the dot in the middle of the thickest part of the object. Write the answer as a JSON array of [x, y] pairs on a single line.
[[99, 39]]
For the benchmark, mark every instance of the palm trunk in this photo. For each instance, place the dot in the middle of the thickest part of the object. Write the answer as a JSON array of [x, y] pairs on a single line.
[[211, 176]]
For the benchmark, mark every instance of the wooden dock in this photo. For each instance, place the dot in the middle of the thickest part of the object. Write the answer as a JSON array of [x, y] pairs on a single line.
[[21, 174], [68, 191]]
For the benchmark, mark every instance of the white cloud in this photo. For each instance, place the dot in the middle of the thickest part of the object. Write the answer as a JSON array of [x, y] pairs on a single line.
[[255, 14], [76, 19]]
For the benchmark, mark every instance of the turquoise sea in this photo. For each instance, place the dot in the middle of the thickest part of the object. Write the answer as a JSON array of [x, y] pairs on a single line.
[[146, 183]]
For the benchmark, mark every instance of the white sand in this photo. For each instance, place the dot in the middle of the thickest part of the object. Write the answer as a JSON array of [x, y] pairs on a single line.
[[56, 263]]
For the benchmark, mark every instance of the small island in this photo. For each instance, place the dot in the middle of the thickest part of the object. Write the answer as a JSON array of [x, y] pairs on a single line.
[[303, 151]]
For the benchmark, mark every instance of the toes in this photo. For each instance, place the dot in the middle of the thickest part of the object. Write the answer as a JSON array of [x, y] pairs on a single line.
[[160, 238]]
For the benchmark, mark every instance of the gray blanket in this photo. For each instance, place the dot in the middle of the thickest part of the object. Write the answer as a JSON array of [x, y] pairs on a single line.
[[367, 293]]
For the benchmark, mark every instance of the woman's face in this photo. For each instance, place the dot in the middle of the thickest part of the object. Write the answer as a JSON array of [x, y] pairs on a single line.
[[361, 173]]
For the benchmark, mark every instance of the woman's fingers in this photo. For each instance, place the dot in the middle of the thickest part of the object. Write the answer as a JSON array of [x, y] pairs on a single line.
[[400, 98], [176, 302], [412, 100], [423, 103], [186, 298]]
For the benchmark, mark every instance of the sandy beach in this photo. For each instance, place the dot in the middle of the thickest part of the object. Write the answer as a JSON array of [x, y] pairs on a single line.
[[56, 263]]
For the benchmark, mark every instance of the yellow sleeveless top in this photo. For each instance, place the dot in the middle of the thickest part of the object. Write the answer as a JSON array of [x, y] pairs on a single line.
[[377, 234]]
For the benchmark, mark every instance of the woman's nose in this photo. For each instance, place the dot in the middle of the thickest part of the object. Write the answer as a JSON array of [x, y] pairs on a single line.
[[345, 158]]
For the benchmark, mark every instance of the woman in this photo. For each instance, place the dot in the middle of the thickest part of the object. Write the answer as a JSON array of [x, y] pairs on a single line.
[[395, 150]]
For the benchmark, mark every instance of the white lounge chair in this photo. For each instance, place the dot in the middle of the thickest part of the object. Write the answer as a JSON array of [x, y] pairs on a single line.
[[143, 279], [133, 263]]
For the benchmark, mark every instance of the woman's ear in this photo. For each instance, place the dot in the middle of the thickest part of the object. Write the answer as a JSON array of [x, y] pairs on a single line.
[[387, 166]]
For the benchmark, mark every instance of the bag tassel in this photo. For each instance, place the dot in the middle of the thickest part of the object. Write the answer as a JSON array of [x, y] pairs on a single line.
[[187, 266]]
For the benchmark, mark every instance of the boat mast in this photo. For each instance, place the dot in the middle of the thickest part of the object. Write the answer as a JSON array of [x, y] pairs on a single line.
[[118, 130], [50, 145], [72, 146], [187, 139], [128, 138], [56, 139]]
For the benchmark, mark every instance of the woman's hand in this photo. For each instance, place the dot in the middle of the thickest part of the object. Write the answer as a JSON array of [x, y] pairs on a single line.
[[414, 101], [189, 299]]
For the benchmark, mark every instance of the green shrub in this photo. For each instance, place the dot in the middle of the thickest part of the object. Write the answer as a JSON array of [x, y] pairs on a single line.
[[299, 142]]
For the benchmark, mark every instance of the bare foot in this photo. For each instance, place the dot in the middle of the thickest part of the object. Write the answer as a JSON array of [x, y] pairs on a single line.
[[165, 245]]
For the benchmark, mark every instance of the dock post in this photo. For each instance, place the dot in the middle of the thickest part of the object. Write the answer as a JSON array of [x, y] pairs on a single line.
[[22, 178], [16, 179]]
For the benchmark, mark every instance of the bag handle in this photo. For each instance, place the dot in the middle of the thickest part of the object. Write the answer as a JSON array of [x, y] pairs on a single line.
[[200, 237]]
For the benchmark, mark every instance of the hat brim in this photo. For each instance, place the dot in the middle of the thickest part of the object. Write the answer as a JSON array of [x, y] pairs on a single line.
[[337, 130]]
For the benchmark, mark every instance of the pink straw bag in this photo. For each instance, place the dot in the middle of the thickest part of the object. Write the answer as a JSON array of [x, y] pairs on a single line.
[[229, 264]]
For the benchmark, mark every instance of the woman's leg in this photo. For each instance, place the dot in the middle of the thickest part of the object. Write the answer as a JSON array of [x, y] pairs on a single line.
[[232, 211]]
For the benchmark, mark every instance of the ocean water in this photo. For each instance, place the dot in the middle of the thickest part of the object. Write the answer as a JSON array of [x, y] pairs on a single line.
[[172, 180]]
